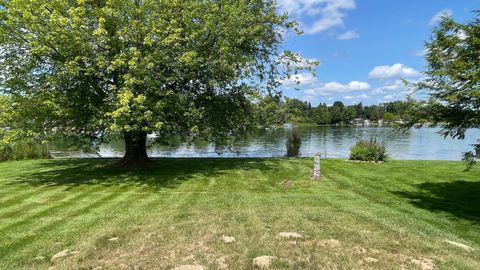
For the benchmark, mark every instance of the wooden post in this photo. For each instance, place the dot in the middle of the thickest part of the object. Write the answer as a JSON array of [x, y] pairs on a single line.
[[316, 173]]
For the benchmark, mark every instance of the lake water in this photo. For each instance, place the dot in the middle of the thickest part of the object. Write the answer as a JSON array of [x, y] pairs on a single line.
[[424, 143]]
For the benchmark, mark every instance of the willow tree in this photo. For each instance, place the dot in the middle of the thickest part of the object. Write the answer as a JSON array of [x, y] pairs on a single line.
[[133, 67]]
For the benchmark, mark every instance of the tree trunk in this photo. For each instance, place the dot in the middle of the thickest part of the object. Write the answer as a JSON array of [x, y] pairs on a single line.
[[135, 150]]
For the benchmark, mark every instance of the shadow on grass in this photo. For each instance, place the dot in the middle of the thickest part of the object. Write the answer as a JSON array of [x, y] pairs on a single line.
[[459, 198], [164, 173]]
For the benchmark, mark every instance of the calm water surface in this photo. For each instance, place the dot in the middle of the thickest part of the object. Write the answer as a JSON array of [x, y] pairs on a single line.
[[424, 143]]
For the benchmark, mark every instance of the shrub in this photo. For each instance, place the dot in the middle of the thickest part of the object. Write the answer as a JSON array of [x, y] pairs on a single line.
[[369, 150], [294, 142]]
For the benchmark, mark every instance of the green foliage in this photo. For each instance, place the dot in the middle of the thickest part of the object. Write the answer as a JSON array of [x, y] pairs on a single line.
[[371, 150], [374, 112], [321, 115], [469, 159], [294, 143], [17, 144], [270, 112], [336, 112], [298, 111], [349, 114], [390, 117], [292, 110], [452, 79], [23, 150], [187, 68]]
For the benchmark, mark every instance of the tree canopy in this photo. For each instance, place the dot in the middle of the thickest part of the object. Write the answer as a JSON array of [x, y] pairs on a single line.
[[92, 68], [452, 79]]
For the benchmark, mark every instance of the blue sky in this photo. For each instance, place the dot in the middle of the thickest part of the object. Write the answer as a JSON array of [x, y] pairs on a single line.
[[365, 46]]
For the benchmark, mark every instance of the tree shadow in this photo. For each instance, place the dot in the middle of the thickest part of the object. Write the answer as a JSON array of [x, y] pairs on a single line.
[[163, 173], [459, 198]]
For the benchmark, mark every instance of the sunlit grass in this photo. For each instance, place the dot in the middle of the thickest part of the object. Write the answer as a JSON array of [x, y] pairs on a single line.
[[176, 212]]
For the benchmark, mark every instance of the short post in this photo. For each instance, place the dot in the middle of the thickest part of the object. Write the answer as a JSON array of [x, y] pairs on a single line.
[[316, 174]]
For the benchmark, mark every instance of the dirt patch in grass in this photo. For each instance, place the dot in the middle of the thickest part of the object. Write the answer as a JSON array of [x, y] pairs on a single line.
[[189, 267], [329, 243], [228, 239], [286, 184], [424, 263], [290, 235], [263, 262]]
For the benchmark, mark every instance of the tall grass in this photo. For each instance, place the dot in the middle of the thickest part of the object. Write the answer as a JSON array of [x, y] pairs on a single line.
[[369, 150], [24, 150], [294, 142]]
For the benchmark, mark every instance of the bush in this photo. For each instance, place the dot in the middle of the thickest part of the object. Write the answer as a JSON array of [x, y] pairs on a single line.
[[371, 150], [294, 142], [23, 150]]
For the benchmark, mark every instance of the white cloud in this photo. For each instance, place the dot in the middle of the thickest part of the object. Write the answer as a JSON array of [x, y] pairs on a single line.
[[357, 98], [336, 87], [300, 79], [321, 14], [348, 35], [389, 98], [438, 17], [398, 85], [310, 99], [395, 71], [390, 91]]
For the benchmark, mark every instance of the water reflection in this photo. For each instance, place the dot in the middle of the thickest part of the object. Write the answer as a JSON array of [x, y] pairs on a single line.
[[423, 143]]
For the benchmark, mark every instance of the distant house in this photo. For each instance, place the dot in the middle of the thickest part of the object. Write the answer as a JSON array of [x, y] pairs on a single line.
[[360, 122]]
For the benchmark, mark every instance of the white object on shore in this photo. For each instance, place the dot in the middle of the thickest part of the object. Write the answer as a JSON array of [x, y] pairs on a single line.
[[316, 173]]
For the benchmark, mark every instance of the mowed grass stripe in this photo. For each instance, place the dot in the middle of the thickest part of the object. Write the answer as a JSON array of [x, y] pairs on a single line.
[[70, 201], [190, 204], [123, 223], [24, 202], [102, 203], [15, 188], [10, 189], [128, 213], [17, 195], [394, 215], [37, 212], [90, 223]]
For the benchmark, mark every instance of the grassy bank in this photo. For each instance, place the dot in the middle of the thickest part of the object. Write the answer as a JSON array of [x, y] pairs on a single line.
[[379, 216]]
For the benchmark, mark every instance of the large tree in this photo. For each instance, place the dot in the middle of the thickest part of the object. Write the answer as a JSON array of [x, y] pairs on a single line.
[[93, 68], [452, 79]]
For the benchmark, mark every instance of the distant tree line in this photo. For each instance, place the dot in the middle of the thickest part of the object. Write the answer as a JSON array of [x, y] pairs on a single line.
[[274, 110]]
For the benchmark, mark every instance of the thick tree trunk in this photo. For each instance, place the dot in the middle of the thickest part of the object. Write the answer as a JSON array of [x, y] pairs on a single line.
[[135, 150]]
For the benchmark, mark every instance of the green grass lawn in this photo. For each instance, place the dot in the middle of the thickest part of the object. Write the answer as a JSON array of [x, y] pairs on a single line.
[[380, 216]]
